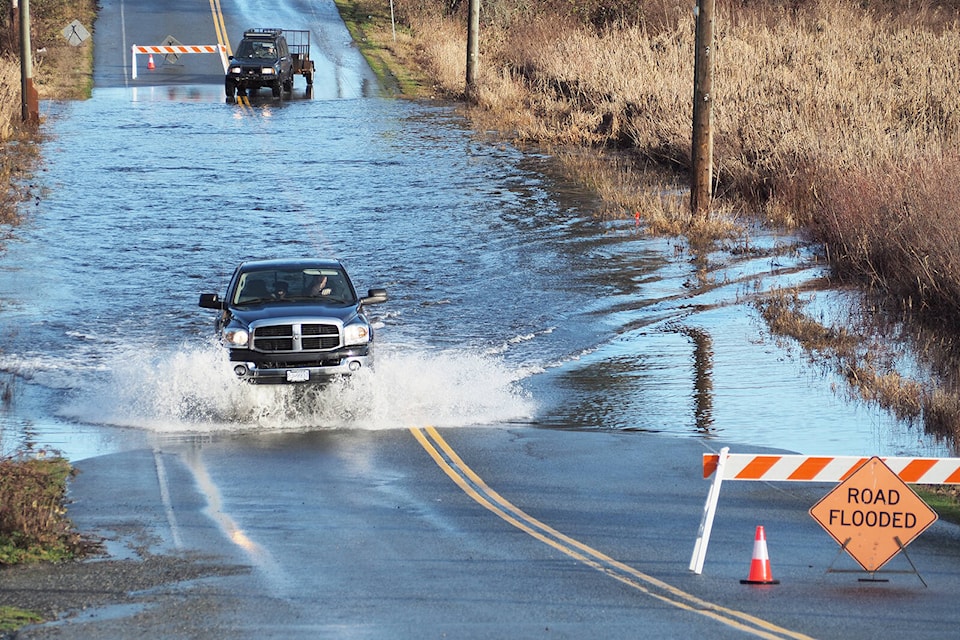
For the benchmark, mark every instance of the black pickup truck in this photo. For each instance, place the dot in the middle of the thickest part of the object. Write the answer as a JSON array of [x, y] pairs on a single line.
[[294, 321], [269, 58]]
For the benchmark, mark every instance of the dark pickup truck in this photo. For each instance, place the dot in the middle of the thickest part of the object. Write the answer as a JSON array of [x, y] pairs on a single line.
[[269, 58], [294, 321]]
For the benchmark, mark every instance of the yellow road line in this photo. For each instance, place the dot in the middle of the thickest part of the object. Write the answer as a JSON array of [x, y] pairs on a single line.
[[219, 25], [474, 486]]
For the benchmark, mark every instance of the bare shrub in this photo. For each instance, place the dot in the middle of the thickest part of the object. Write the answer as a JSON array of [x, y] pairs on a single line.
[[33, 523]]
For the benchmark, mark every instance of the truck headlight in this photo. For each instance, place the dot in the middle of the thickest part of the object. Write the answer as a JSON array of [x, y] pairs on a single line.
[[268, 71], [235, 70], [356, 334], [236, 337]]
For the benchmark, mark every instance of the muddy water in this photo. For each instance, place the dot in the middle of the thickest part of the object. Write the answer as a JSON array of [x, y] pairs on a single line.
[[512, 301]]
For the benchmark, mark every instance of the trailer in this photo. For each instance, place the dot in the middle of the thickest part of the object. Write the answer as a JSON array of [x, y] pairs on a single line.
[[299, 43]]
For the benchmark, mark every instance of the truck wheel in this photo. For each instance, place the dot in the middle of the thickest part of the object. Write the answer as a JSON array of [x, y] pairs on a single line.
[[288, 85], [277, 89], [230, 88]]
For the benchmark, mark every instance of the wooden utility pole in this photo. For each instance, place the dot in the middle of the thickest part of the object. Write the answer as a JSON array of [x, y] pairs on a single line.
[[473, 48], [701, 179], [29, 101]]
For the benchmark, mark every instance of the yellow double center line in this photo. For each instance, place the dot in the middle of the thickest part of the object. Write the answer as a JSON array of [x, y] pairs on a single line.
[[220, 26], [474, 486]]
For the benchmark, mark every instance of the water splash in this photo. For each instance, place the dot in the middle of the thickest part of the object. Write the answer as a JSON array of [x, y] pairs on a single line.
[[194, 390]]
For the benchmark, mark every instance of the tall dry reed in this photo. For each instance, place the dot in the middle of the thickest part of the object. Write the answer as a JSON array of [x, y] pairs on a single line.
[[13, 161], [9, 96], [828, 117]]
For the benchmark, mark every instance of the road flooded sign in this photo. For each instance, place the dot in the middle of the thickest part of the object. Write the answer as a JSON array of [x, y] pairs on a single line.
[[873, 514]]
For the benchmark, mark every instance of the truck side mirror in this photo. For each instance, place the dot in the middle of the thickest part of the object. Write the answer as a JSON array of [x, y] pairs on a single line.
[[211, 301], [375, 296]]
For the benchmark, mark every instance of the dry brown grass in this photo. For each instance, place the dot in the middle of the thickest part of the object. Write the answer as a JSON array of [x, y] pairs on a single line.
[[803, 90]]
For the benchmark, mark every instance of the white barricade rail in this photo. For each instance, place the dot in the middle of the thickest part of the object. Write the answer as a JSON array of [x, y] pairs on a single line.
[[178, 49], [799, 468]]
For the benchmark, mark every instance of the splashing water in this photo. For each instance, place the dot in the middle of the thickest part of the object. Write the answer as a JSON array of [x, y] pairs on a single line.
[[194, 390]]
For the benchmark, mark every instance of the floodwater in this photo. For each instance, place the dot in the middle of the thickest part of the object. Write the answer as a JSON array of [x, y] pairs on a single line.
[[513, 300]]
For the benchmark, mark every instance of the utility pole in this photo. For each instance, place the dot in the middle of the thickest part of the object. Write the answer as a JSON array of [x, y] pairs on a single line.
[[30, 104], [701, 179], [473, 48]]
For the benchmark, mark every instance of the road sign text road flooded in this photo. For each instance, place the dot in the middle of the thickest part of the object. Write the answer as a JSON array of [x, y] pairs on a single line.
[[873, 514]]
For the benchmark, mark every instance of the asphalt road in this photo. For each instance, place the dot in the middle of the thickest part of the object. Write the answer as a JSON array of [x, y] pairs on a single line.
[[363, 534]]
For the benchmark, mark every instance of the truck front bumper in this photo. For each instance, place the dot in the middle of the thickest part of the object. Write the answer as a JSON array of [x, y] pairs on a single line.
[[257, 370]]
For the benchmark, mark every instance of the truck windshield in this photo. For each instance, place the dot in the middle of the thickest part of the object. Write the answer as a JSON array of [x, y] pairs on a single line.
[[252, 49], [329, 286]]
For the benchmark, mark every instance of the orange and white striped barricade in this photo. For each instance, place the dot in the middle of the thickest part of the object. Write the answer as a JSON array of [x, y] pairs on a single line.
[[177, 50], [801, 468]]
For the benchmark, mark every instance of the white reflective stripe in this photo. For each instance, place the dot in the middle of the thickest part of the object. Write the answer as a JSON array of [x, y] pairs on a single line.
[[178, 49], [799, 468]]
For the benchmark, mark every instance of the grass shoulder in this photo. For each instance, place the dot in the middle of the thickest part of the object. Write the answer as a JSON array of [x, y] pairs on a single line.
[[942, 499], [12, 618], [33, 523], [388, 47]]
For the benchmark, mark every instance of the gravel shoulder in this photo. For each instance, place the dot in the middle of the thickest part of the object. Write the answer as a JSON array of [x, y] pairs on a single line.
[[148, 563]]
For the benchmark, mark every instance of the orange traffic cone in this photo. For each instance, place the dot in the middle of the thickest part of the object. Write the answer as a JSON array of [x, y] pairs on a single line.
[[150, 64], [760, 565]]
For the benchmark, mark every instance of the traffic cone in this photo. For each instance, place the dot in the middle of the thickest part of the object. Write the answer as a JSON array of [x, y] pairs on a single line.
[[760, 565], [150, 64]]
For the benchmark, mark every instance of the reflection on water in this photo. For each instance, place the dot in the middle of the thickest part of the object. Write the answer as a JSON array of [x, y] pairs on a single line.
[[702, 377]]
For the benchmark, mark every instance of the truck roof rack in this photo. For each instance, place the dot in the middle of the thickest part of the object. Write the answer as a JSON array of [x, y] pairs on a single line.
[[262, 32]]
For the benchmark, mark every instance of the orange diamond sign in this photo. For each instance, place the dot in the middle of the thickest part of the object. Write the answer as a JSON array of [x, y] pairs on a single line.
[[873, 514]]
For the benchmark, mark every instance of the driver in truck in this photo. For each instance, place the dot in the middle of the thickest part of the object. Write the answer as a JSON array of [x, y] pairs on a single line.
[[319, 287]]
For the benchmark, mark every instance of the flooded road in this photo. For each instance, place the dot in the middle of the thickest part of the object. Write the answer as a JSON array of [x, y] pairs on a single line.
[[574, 364], [512, 300]]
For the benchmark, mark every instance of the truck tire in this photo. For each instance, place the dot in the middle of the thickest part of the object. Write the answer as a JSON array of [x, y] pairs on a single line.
[[288, 85], [230, 88], [277, 89]]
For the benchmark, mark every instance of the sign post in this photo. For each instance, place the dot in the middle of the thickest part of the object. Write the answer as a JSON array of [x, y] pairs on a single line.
[[873, 514]]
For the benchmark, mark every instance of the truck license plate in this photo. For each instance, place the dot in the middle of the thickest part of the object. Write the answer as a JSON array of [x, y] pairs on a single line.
[[298, 375]]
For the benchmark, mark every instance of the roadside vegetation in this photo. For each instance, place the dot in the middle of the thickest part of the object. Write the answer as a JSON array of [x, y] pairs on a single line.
[[34, 526], [33, 522], [60, 72]]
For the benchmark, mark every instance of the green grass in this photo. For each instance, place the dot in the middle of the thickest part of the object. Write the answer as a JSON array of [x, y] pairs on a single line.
[[372, 30], [941, 500], [12, 618]]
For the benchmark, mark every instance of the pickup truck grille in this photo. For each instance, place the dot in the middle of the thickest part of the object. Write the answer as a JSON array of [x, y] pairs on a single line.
[[296, 337]]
